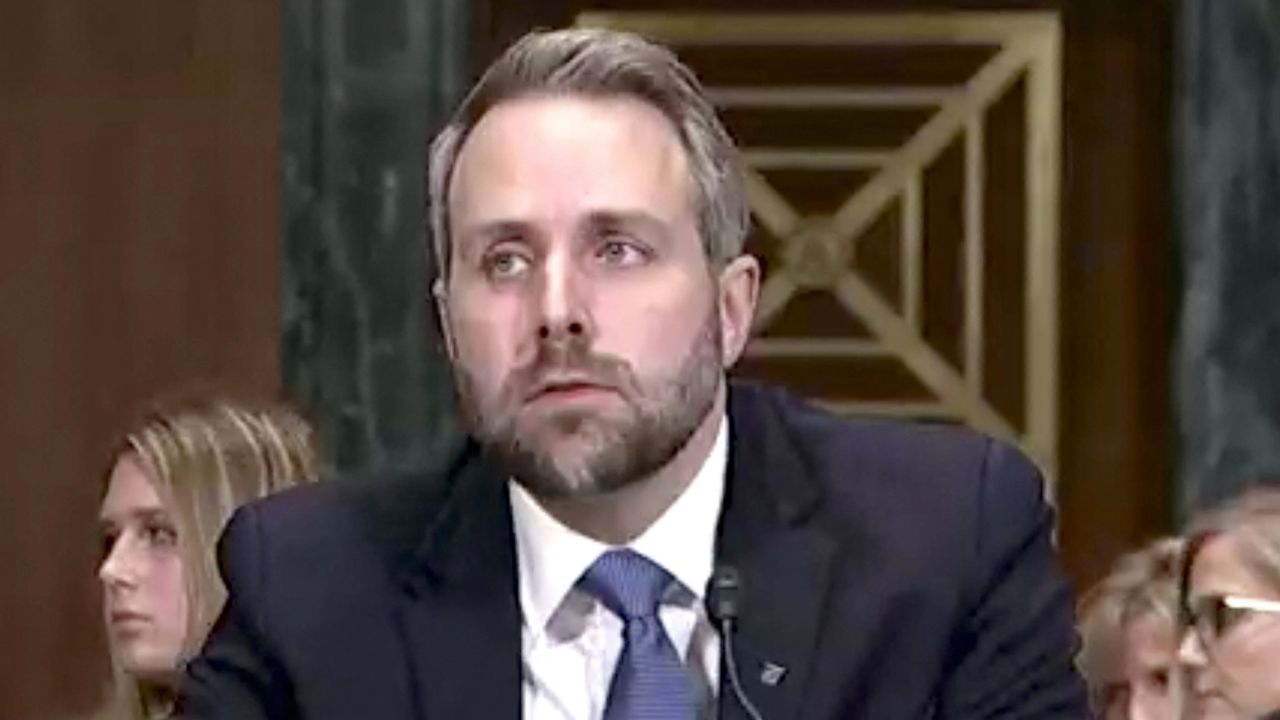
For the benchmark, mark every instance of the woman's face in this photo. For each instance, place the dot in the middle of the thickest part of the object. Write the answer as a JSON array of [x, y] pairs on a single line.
[[1150, 658], [143, 600], [1235, 671]]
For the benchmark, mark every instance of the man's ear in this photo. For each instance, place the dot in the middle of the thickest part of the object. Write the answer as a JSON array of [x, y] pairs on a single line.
[[442, 315], [739, 290]]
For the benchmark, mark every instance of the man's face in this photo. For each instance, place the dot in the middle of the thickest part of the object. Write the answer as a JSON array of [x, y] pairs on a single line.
[[584, 320]]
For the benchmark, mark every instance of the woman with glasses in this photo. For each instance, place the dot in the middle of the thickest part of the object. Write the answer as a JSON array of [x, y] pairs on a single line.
[[1231, 610], [1128, 628]]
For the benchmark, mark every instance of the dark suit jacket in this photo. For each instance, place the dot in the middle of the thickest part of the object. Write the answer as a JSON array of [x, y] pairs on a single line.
[[895, 571]]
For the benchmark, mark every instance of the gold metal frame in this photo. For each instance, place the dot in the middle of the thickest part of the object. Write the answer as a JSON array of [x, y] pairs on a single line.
[[1029, 45]]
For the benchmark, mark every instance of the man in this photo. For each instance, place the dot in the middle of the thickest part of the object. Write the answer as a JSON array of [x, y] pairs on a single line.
[[589, 220]]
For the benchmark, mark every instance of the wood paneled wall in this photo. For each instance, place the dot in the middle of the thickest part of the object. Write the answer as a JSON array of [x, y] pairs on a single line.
[[139, 252]]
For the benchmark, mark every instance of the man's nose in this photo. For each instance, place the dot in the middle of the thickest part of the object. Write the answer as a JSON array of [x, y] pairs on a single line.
[[563, 300]]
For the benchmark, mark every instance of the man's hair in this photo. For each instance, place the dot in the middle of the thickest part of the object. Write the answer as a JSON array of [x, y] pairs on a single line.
[[603, 63]]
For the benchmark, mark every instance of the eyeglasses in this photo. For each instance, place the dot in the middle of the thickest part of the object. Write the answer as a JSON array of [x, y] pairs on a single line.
[[1213, 615]]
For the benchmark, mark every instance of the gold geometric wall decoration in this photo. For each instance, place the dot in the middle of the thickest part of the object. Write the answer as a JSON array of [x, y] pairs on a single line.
[[932, 270]]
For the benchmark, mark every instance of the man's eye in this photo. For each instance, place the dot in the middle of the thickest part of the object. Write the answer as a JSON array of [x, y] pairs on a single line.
[[621, 253], [505, 265]]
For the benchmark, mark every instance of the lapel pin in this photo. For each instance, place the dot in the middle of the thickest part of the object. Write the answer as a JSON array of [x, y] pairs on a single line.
[[771, 674]]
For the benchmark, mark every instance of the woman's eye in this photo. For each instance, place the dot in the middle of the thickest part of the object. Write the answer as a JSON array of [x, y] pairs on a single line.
[[107, 543], [158, 535]]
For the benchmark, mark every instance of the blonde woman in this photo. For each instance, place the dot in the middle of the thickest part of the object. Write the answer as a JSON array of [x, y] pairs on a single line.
[[1231, 609], [175, 479], [1128, 625]]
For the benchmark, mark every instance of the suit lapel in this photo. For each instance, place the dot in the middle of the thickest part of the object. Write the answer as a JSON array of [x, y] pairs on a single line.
[[784, 562], [460, 611]]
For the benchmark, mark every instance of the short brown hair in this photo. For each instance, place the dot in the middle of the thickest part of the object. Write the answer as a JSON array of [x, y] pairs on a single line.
[[604, 63]]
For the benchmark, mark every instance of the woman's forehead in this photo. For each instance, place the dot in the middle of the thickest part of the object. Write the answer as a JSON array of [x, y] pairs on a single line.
[[130, 489]]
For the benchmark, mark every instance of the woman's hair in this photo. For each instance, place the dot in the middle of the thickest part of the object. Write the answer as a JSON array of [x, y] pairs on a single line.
[[1253, 520], [205, 458], [1141, 584]]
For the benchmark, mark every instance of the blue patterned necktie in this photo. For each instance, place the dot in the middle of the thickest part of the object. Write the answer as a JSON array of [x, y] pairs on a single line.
[[650, 682]]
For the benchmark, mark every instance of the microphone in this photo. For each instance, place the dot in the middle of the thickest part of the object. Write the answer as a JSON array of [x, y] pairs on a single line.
[[723, 590]]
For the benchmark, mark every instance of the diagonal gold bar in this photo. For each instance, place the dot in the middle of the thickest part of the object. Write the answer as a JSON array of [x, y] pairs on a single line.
[[861, 210], [771, 209], [935, 372], [774, 295]]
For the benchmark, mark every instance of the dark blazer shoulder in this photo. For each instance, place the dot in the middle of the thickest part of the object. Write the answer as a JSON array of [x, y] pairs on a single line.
[[926, 493], [381, 515], [943, 559], [897, 457]]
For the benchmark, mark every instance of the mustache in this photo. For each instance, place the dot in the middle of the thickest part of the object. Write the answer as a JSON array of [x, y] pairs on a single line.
[[572, 361]]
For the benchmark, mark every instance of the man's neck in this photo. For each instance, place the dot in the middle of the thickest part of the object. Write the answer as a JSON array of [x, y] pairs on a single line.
[[621, 516]]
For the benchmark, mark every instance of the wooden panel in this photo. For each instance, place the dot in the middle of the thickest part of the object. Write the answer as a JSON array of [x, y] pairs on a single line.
[[139, 235], [1118, 280]]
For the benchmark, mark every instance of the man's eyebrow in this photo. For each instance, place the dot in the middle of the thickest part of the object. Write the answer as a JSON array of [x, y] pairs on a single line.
[[490, 229], [640, 218]]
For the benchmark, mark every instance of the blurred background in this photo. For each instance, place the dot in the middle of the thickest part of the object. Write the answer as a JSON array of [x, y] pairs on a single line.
[[1053, 221]]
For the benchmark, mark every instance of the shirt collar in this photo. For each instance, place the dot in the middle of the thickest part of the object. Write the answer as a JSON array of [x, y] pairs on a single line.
[[551, 556]]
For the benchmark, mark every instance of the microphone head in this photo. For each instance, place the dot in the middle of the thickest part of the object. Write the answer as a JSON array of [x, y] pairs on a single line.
[[723, 590]]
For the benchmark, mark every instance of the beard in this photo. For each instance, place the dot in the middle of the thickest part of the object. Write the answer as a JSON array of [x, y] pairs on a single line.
[[571, 452]]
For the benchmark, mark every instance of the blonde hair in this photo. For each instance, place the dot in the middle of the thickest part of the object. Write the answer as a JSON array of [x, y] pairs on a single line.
[[1253, 521], [206, 458], [1141, 584]]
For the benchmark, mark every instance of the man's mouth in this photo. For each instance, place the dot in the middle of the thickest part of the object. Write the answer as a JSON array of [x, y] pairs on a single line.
[[566, 389]]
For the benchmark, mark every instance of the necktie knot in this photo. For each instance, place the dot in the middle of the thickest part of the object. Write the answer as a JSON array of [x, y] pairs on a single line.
[[628, 583], [650, 681]]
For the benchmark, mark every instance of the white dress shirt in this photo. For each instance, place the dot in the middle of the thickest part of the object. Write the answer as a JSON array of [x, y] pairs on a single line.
[[570, 642]]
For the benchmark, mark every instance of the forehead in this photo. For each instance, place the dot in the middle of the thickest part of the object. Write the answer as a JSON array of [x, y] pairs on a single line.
[[129, 488], [1150, 640], [1220, 568], [557, 157]]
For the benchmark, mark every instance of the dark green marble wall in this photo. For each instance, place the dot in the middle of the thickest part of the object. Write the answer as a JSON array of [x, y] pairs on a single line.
[[365, 83], [1227, 144]]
